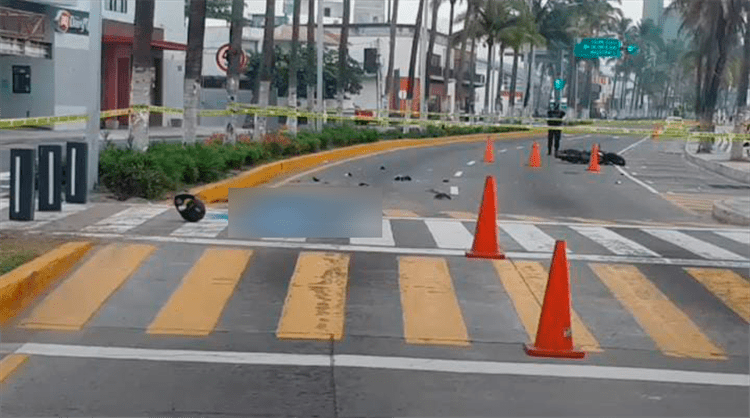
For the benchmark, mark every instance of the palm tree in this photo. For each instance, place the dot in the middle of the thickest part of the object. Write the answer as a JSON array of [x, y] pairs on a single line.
[[292, 120], [522, 30], [343, 56], [413, 59], [431, 46], [310, 54], [143, 74], [390, 88], [449, 54], [235, 54], [467, 31], [193, 67], [741, 114], [266, 68]]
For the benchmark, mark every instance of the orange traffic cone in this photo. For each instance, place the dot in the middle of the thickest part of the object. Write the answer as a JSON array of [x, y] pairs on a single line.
[[489, 152], [485, 237], [554, 337], [594, 159], [535, 160]]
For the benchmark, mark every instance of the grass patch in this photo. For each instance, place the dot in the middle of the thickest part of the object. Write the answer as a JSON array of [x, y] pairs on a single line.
[[19, 249]]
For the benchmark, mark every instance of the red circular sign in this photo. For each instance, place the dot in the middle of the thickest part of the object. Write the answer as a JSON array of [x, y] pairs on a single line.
[[222, 58]]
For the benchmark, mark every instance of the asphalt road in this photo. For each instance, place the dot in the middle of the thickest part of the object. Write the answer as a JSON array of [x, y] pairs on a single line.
[[659, 341]]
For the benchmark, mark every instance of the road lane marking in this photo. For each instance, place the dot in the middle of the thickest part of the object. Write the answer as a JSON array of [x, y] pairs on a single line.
[[285, 239], [454, 190], [195, 306], [386, 238], [11, 363], [743, 237], [208, 227], [529, 237], [626, 174], [127, 219], [631, 146], [673, 332], [400, 213], [694, 245], [431, 311], [502, 150], [315, 304], [472, 162], [410, 250], [535, 277], [451, 234], [72, 304], [728, 286], [570, 371], [461, 215], [520, 147], [458, 174], [614, 241]]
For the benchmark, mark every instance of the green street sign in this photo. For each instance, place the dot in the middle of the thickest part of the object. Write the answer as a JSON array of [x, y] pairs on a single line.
[[559, 84], [598, 47], [632, 49]]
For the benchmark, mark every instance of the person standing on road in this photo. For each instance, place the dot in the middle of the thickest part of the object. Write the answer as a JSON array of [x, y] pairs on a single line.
[[555, 115]]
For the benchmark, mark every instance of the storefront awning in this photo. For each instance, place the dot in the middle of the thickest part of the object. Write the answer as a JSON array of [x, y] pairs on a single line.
[[155, 44]]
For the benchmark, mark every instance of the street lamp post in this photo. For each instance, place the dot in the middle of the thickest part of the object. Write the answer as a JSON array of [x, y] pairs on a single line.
[[319, 41], [94, 107]]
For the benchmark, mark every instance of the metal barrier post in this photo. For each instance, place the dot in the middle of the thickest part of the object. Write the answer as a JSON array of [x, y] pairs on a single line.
[[76, 190], [22, 164], [50, 178]]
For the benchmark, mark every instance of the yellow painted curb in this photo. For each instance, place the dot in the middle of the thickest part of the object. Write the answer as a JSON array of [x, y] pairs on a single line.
[[19, 287], [219, 192]]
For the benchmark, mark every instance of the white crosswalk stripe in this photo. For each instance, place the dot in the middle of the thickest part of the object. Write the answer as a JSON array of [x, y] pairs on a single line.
[[386, 238], [529, 237], [43, 218], [208, 227], [694, 245], [743, 237], [613, 241], [4, 203], [285, 239], [450, 234], [127, 219]]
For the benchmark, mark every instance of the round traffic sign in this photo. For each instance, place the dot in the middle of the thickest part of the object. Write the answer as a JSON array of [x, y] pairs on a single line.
[[222, 58]]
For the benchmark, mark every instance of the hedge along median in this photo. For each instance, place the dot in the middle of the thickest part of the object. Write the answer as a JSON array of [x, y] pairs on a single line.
[[219, 192]]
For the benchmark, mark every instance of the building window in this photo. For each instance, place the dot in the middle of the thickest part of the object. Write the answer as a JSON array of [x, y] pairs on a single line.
[[327, 12], [120, 6]]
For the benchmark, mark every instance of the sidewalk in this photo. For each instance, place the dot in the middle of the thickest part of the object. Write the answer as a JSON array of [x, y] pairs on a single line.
[[21, 135], [734, 211]]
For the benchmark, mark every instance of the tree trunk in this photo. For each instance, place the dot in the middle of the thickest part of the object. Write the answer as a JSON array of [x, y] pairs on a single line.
[[309, 73], [233, 72], [343, 56], [741, 115], [460, 91], [266, 66], [514, 75], [472, 65], [431, 46], [614, 92], [528, 79], [448, 73], [487, 83], [390, 85], [501, 79], [291, 121], [193, 66], [143, 74], [413, 58]]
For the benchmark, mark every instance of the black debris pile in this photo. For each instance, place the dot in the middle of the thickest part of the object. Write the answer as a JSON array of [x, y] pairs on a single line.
[[583, 157], [189, 207], [363, 184], [382, 167], [402, 178], [445, 180], [440, 195]]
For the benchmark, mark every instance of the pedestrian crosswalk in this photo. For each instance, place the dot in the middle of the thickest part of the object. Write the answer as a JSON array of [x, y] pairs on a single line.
[[450, 233], [443, 301]]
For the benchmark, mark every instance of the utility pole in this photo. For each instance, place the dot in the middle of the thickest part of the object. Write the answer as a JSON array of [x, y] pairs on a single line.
[[95, 61], [319, 42], [422, 62], [378, 95]]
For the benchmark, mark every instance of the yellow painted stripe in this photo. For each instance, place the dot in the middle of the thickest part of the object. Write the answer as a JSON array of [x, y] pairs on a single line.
[[527, 306], [10, 363], [430, 307], [536, 277], [670, 329], [315, 305], [195, 307], [78, 298], [728, 286], [399, 213], [461, 215]]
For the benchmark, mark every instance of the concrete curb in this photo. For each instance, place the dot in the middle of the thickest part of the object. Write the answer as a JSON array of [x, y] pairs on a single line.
[[723, 212], [716, 167], [21, 286], [219, 192]]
